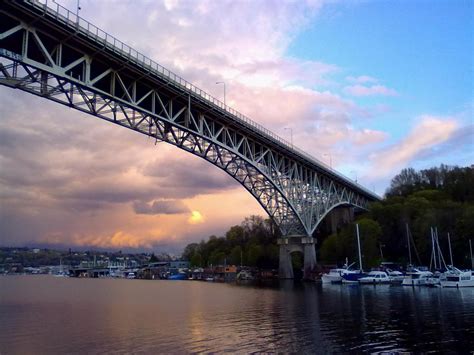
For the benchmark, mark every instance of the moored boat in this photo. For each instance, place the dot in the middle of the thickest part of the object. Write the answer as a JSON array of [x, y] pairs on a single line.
[[335, 275], [375, 277], [417, 278], [395, 276], [178, 276], [457, 278]]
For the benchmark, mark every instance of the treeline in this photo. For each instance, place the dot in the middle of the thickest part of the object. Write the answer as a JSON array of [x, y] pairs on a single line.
[[252, 243], [441, 198]]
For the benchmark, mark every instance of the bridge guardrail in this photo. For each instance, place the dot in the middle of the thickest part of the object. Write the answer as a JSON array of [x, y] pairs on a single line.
[[88, 29]]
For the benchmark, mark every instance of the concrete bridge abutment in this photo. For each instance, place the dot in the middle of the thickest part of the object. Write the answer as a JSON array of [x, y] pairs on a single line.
[[297, 243]]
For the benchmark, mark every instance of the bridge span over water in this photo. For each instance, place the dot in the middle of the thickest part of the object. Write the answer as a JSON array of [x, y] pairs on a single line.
[[49, 51]]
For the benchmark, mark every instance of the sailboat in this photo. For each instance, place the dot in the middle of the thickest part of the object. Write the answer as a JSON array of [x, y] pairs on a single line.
[[335, 275], [419, 276], [453, 277], [61, 272], [353, 277]]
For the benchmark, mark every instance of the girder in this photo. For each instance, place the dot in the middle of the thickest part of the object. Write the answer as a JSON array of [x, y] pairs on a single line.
[[46, 54]]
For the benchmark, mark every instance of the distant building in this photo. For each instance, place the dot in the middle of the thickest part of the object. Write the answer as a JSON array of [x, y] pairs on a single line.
[[179, 264]]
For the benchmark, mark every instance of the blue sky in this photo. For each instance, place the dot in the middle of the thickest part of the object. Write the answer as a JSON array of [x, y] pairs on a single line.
[[423, 49]]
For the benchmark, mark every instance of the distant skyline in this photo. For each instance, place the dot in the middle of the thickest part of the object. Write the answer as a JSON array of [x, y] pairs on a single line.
[[371, 87]]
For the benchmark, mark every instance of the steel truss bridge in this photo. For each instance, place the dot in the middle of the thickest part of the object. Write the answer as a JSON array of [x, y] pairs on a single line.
[[49, 51]]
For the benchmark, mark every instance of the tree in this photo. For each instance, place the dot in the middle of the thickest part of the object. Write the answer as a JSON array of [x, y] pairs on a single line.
[[235, 256], [370, 233], [217, 258], [189, 251], [196, 260], [404, 183], [153, 258], [254, 254]]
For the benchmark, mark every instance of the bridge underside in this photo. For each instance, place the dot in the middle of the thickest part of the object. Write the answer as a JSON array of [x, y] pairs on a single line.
[[44, 52]]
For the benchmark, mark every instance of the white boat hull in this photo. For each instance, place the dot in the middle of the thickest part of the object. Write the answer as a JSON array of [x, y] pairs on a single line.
[[374, 282], [467, 283]]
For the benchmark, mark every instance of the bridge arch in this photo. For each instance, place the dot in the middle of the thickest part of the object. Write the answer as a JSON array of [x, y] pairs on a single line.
[[328, 211]]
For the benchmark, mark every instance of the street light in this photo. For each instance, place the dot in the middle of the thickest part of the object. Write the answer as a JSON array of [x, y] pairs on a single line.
[[355, 175], [291, 134], [221, 82], [78, 8], [330, 159]]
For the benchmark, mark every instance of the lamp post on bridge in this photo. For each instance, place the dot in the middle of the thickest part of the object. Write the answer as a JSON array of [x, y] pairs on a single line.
[[78, 9], [221, 82], [355, 175], [291, 135], [330, 159]]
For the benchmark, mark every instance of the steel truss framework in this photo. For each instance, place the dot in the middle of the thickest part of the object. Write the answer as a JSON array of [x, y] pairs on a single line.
[[41, 56]]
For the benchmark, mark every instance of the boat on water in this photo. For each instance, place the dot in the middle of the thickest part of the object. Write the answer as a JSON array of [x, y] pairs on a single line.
[[354, 277], [457, 278], [375, 277], [417, 277], [395, 276], [335, 275], [177, 277]]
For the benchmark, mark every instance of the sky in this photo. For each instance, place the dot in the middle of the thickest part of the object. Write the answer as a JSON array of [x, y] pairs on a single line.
[[369, 87]]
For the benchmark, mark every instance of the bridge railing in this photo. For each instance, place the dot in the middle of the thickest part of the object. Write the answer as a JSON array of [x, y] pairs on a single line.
[[85, 28]]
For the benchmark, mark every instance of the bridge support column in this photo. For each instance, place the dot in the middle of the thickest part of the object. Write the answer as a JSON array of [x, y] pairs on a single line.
[[285, 268], [309, 256], [290, 244]]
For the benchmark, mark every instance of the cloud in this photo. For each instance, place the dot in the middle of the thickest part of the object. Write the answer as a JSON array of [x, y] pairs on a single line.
[[115, 240], [363, 79], [368, 136], [425, 137], [160, 207], [360, 90]]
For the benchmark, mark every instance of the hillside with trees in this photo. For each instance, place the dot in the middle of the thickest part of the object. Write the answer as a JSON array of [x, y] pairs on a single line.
[[441, 198], [252, 243]]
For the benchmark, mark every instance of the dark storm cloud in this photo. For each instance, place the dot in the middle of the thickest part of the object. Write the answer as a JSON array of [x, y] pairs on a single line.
[[160, 207], [83, 162], [194, 174]]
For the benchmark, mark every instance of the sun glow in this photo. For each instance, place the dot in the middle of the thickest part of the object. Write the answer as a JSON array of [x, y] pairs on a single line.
[[196, 217]]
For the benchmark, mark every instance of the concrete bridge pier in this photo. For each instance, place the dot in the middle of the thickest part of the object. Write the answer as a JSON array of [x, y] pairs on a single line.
[[296, 243]]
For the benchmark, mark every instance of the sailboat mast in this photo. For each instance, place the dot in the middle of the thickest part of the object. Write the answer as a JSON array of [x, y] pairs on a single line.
[[433, 250], [472, 260], [450, 251], [437, 246], [358, 246], [408, 240]]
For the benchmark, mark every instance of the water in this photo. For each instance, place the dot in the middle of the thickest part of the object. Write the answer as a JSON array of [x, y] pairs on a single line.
[[50, 315]]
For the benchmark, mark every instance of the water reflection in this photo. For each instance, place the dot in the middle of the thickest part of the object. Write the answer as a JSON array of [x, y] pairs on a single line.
[[57, 315]]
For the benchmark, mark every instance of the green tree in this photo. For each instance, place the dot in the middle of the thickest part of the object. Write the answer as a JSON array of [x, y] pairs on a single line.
[[196, 260], [235, 256], [254, 254], [370, 233], [153, 258]]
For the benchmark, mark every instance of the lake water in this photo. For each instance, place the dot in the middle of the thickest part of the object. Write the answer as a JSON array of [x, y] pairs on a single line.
[[51, 315]]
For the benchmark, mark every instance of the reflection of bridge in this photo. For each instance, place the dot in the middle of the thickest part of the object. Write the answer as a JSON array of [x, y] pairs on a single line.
[[50, 52]]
